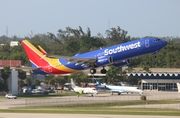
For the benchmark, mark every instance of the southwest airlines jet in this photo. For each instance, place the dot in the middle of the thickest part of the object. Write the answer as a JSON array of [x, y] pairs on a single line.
[[117, 55]]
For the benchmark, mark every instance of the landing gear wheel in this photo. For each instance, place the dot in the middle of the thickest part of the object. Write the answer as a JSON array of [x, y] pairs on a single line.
[[92, 71], [103, 71]]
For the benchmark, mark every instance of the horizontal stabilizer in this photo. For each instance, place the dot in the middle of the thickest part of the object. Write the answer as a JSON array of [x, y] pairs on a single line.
[[27, 68]]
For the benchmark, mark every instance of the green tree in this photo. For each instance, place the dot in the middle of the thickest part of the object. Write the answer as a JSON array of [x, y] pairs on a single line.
[[3, 86], [46, 80], [60, 80], [112, 74], [52, 81], [28, 81], [117, 35], [90, 43], [72, 47], [20, 84], [5, 72], [37, 82], [79, 77], [21, 74]]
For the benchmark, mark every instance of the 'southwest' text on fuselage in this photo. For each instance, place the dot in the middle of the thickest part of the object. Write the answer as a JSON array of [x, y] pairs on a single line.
[[122, 48]]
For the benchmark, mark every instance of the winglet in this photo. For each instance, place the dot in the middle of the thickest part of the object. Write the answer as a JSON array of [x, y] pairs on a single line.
[[97, 82], [119, 84], [42, 50]]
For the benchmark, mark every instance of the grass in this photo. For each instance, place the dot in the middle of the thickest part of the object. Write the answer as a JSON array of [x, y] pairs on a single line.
[[101, 108], [98, 110], [110, 104]]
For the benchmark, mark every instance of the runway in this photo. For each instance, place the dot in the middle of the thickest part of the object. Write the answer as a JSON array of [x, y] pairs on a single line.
[[37, 115]]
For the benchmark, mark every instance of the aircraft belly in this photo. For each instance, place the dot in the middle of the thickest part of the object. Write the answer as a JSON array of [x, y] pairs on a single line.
[[56, 67], [117, 91], [72, 65]]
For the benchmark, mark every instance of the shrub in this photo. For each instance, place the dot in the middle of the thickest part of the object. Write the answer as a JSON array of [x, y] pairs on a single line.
[[143, 97]]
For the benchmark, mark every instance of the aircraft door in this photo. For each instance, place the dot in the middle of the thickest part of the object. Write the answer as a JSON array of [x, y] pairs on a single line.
[[147, 43], [110, 59]]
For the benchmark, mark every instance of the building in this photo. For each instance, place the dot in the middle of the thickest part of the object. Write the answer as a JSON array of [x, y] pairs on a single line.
[[13, 78], [160, 79], [11, 63], [14, 43]]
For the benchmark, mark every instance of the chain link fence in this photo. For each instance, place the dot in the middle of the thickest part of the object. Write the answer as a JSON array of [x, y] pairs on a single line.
[[123, 101]]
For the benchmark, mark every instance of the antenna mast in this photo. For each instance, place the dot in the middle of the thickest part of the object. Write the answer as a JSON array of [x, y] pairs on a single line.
[[6, 31]]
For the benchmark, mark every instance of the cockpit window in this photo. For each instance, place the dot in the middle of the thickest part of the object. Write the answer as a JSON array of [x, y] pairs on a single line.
[[156, 40]]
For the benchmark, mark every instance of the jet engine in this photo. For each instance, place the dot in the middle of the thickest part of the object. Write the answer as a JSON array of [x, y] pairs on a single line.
[[122, 63]]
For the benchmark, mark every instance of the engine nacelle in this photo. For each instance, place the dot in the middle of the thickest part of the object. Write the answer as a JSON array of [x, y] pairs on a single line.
[[102, 61], [122, 63]]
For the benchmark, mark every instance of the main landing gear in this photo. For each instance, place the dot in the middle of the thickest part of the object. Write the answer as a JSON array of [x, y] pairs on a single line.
[[155, 56], [93, 71], [103, 71]]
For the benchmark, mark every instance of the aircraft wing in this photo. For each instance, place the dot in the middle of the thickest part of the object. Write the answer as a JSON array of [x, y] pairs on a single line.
[[117, 91], [86, 61]]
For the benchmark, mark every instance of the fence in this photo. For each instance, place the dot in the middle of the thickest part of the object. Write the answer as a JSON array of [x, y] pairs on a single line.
[[122, 101]]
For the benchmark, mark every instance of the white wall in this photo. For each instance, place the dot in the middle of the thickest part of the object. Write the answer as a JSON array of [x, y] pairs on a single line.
[[13, 82], [160, 81], [178, 85]]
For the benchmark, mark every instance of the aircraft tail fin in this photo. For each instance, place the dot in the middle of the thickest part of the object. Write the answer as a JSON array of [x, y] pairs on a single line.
[[97, 82], [72, 84], [119, 84], [36, 57], [178, 86]]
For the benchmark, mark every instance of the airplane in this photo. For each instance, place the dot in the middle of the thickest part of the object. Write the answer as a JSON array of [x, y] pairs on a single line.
[[119, 89], [130, 88], [117, 55], [81, 90]]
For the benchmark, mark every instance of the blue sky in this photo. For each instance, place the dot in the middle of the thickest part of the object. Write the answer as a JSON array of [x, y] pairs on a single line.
[[140, 18]]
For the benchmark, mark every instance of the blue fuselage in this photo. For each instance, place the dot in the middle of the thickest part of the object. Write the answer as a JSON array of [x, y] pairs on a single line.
[[118, 53]]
